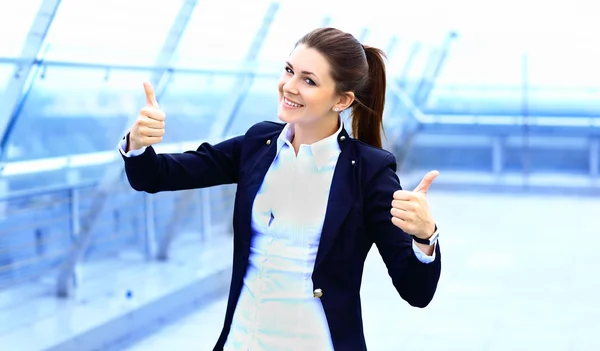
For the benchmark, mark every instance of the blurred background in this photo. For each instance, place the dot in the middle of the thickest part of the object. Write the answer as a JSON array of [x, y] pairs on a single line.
[[502, 97]]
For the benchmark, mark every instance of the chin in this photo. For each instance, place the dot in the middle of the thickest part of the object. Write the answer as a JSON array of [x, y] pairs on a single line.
[[285, 116]]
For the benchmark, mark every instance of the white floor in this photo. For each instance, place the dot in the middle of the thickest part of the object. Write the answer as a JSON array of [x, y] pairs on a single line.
[[519, 273]]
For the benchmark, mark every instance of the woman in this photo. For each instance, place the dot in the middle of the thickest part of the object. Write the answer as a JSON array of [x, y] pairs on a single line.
[[310, 202]]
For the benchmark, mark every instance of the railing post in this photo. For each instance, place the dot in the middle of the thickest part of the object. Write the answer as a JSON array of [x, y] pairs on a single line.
[[594, 157], [67, 281], [497, 155]]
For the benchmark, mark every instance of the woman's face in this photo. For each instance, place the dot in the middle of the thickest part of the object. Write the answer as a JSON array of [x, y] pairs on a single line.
[[306, 88]]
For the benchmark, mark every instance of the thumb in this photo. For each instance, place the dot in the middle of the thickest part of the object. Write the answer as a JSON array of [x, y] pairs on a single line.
[[150, 96], [423, 186]]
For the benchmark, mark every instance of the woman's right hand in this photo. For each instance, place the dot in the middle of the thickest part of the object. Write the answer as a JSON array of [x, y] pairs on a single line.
[[149, 127]]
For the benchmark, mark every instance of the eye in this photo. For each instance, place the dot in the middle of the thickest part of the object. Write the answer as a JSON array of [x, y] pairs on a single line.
[[310, 81], [289, 70]]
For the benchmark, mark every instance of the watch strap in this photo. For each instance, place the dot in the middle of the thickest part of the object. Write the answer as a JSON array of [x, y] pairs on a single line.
[[431, 240]]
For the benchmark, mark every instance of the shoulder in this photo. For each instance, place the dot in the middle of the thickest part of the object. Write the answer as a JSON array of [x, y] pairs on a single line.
[[374, 159], [264, 130], [257, 136]]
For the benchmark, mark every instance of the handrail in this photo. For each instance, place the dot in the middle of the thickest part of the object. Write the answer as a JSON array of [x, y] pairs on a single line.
[[23, 260]]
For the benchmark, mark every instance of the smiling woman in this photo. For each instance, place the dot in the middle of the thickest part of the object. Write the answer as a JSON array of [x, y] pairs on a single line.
[[310, 203]]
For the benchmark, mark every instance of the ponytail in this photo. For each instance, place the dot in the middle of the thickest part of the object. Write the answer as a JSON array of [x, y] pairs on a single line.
[[367, 109]]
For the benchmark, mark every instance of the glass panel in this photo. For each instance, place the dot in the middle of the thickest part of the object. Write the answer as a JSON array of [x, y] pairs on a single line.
[[293, 20], [111, 31], [219, 33], [259, 105], [563, 61], [6, 72], [478, 76], [76, 110], [192, 102], [379, 39], [16, 19], [562, 75], [558, 70]]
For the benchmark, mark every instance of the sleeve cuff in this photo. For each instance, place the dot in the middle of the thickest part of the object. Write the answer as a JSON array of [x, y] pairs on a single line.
[[132, 153], [421, 256]]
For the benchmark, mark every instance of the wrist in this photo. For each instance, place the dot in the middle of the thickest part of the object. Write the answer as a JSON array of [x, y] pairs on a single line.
[[131, 145], [432, 239]]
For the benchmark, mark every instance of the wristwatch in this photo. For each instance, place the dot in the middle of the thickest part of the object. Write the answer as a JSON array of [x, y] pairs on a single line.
[[432, 239]]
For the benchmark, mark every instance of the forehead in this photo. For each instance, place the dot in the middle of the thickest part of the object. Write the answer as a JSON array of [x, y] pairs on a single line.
[[308, 59]]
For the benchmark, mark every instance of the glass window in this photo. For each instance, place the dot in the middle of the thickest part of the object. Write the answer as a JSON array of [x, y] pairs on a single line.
[[76, 110], [6, 72], [111, 31], [487, 74], [16, 19], [293, 20], [259, 105], [192, 102], [563, 61], [220, 33]]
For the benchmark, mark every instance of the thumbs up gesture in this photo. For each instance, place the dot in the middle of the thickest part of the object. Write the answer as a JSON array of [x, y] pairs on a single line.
[[149, 127], [410, 211]]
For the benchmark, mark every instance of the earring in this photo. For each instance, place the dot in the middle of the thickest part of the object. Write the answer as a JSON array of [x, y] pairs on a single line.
[[336, 109]]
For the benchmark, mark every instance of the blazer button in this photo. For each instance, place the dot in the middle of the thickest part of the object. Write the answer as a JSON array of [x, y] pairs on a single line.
[[342, 138], [318, 293], [269, 142]]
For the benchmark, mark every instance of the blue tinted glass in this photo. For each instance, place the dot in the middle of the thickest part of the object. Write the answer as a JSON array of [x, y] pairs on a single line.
[[192, 102], [6, 72], [293, 20], [16, 19], [220, 33], [76, 110], [111, 31], [259, 105]]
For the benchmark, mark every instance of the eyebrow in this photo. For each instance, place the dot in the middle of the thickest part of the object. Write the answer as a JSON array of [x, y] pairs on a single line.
[[303, 72]]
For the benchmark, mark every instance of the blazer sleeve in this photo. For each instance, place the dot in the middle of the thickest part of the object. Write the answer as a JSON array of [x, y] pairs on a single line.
[[207, 166], [415, 281]]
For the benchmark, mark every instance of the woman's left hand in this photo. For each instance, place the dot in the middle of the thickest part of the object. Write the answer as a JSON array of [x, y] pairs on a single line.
[[410, 211]]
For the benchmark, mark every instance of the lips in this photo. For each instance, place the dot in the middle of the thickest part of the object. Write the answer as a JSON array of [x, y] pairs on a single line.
[[291, 103]]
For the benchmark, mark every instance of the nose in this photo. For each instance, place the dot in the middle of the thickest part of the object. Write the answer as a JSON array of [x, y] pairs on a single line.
[[289, 87]]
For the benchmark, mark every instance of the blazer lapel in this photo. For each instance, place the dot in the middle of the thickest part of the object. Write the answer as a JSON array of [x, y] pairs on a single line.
[[341, 197], [257, 173]]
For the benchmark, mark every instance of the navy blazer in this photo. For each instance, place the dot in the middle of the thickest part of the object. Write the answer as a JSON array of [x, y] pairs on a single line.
[[358, 215]]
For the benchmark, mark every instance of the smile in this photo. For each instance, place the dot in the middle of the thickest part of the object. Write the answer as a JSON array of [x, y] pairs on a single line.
[[291, 103]]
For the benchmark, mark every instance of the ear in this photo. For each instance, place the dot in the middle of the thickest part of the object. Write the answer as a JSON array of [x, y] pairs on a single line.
[[344, 101]]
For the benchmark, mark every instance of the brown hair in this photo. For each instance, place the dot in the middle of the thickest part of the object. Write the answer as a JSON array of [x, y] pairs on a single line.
[[357, 68]]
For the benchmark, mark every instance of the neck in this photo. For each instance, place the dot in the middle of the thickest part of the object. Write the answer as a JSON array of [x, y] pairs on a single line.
[[309, 133]]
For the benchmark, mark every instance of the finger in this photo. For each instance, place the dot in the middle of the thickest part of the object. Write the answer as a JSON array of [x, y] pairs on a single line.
[[404, 205], [150, 96], [151, 132], [152, 140], [400, 223], [425, 183], [153, 113], [401, 214], [152, 123], [404, 195]]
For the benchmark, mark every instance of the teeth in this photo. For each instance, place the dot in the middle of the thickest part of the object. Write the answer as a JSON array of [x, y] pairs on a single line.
[[289, 103]]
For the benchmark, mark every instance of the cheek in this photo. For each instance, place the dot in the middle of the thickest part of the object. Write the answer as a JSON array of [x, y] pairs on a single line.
[[283, 79], [317, 98]]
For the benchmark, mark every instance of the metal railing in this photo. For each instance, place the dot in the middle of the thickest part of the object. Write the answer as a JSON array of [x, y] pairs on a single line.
[[39, 228]]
